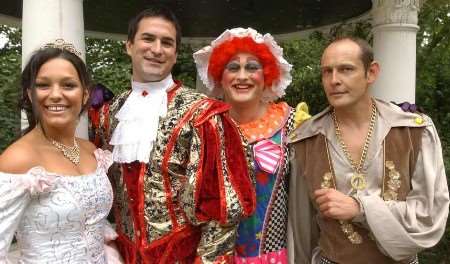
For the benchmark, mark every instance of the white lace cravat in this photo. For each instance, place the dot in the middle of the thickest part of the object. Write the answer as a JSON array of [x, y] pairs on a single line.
[[138, 121]]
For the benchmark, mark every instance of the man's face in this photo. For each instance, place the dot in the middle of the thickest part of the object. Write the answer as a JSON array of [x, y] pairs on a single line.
[[344, 78], [153, 52], [243, 80]]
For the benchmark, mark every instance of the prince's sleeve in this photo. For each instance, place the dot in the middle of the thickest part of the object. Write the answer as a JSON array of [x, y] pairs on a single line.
[[99, 116], [220, 191]]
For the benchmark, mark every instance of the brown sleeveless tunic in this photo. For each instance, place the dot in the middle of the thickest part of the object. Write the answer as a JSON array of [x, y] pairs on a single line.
[[401, 148]]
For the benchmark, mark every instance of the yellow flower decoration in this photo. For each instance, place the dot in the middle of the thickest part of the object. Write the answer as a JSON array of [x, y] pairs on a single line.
[[419, 120], [301, 114]]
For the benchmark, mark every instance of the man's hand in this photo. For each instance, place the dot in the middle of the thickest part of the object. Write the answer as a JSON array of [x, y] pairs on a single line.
[[336, 205]]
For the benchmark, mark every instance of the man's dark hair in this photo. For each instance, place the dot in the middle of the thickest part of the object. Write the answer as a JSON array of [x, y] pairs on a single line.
[[366, 54], [154, 11]]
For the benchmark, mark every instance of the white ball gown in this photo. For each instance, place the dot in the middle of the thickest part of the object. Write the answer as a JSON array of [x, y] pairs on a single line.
[[57, 218]]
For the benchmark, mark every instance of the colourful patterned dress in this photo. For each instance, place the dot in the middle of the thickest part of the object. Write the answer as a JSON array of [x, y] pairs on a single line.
[[262, 237]]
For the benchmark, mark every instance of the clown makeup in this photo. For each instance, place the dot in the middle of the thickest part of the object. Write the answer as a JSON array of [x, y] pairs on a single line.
[[243, 80], [250, 67]]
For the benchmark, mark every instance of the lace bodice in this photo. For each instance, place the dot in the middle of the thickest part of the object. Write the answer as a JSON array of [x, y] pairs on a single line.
[[56, 218]]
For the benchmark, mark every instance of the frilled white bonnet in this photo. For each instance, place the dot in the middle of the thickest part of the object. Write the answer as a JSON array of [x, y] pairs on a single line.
[[202, 58]]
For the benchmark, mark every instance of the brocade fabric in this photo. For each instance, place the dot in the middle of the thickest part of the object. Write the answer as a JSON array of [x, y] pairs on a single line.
[[184, 204]]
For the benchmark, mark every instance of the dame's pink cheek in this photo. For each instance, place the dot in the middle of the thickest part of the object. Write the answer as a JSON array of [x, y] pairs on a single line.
[[227, 80], [258, 78]]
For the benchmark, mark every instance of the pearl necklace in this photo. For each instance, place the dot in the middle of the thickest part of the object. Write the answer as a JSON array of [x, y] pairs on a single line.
[[71, 153]]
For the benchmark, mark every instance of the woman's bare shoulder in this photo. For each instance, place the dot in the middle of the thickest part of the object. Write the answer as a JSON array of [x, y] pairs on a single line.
[[86, 145], [19, 157]]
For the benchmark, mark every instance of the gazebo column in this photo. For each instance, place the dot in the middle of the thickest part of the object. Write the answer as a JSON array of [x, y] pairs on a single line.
[[44, 21], [394, 41]]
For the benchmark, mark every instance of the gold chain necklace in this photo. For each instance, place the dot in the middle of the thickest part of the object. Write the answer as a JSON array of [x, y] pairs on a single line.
[[71, 153], [358, 179]]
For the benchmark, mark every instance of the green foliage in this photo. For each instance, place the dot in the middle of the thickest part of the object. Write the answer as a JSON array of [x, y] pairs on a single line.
[[433, 91], [185, 70], [305, 56], [9, 86], [110, 65], [306, 86]]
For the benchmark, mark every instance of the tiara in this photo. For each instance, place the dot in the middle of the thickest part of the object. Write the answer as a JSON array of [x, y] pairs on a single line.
[[62, 45]]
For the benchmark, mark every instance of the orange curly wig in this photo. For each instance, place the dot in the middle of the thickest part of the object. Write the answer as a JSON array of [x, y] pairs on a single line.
[[222, 54]]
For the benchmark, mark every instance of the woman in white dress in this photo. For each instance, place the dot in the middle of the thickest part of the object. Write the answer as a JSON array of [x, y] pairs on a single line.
[[54, 192]]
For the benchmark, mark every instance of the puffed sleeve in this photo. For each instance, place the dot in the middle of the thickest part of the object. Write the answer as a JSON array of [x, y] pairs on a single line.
[[219, 191], [16, 191], [403, 228], [104, 159]]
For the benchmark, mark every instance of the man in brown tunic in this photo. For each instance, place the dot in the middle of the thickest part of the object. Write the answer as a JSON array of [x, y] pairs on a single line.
[[368, 182]]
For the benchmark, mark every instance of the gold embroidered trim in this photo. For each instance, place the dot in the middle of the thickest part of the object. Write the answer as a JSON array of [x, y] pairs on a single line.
[[349, 231], [393, 183], [328, 182]]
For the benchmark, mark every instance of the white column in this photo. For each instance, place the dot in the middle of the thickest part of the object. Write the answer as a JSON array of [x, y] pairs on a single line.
[[394, 42], [44, 21]]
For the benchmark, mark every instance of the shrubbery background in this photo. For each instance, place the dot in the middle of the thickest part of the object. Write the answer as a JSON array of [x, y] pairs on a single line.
[[110, 66]]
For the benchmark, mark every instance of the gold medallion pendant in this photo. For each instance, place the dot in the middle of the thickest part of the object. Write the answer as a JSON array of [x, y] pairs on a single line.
[[358, 181]]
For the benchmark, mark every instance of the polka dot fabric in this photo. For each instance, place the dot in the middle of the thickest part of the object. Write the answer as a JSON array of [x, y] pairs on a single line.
[[266, 126], [279, 257]]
